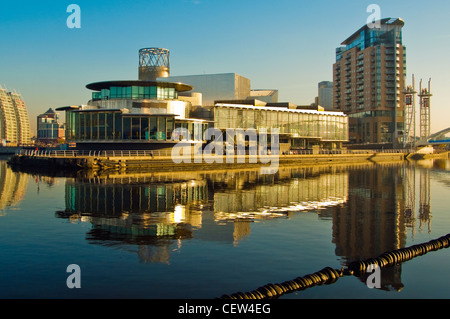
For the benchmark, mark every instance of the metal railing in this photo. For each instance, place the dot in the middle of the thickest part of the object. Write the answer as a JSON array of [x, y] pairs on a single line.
[[345, 152], [165, 153], [81, 153]]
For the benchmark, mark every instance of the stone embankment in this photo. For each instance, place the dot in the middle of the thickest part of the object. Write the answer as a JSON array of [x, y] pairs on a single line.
[[118, 160]]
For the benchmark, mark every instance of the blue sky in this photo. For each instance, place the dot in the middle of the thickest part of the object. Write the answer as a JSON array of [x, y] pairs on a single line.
[[286, 45]]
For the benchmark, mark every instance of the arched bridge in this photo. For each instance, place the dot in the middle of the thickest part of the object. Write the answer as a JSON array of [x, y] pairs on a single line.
[[441, 137]]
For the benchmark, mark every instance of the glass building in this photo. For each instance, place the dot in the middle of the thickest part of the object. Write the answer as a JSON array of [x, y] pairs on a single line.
[[298, 128], [132, 115], [146, 113], [368, 81]]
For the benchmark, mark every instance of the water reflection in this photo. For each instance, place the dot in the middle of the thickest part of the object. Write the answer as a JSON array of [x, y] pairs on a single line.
[[371, 207], [156, 210], [13, 186]]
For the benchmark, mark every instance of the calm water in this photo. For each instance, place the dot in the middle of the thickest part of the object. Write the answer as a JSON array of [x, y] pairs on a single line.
[[205, 234]]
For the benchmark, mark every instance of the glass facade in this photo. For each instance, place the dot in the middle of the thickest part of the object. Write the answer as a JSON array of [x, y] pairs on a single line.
[[136, 92], [371, 37], [113, 125], [295, 123], [113, 199]]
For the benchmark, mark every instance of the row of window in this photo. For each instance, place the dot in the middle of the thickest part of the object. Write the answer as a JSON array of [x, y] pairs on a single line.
[[114, 200], [328, 127], [115, 126], [136, 92]]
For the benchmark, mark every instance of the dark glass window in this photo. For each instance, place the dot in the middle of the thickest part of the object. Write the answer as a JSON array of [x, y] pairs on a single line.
[[135, 128], [126, 128], [94, 119], [109, 126], [88, 126], [101, 126], [82, 128], [144, 128], [153, 128], [117, 126]]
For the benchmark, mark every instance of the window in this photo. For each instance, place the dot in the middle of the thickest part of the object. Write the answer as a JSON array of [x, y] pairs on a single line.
[[153, 128], [88, 126], [82, 129], [150, 92], [161, 128], [94, 119], [170, 125], [126, 128], [109, 126], [117, 126], [135, 128], [114, 92], [134, 92], [144, 128], [101, 126]]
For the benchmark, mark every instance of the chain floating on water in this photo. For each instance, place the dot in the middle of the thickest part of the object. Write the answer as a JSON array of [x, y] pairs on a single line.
[[329, 275]]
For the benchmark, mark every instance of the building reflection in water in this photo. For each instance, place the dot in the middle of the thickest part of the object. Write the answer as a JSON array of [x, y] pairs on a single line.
[[13, 186], [380, 210], [417, 180], [371, 207], [156, 210]]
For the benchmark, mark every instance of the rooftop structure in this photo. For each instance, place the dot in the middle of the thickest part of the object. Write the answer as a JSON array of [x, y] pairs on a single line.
[[221, 86], [153, 63]]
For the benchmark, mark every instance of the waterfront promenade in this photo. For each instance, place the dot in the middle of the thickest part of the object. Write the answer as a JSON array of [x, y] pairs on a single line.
[[164, 160]]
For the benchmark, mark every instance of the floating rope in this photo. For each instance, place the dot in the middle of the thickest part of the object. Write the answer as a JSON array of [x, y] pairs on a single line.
[[329, 275]]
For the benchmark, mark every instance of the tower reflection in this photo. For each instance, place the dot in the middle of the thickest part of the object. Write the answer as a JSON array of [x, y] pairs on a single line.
[[13, 186], [380, 209]]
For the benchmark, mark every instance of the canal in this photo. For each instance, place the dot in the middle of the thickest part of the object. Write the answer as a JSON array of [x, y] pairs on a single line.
[[203, 234]]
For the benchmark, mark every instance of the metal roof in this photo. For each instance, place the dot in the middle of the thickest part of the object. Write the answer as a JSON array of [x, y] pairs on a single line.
[[98, 86]]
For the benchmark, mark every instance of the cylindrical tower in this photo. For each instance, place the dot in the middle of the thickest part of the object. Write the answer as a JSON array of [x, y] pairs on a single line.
[[153, 64]]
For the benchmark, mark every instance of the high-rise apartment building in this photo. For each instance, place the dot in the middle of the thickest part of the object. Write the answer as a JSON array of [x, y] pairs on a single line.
[[368, 81], [14, 120]]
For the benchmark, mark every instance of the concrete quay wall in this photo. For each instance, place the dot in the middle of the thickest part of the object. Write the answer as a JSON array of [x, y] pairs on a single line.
[[213, 162]]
